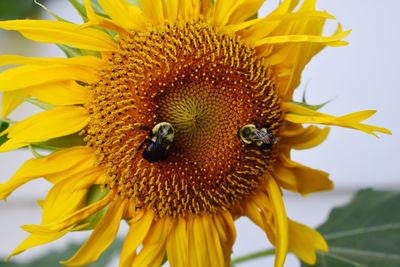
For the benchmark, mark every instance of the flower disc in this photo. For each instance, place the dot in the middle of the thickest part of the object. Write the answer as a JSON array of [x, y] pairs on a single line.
[[207, 85]]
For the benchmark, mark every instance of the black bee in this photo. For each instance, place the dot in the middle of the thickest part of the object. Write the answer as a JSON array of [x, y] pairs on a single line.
[[159, 145], [261, 137]]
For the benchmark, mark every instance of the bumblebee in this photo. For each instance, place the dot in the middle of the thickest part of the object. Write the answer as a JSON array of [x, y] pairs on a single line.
[[160, 142], [261, 137]]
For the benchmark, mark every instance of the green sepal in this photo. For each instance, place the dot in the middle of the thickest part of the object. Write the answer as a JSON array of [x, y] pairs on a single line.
[[134, 2], [51, 13], [95, 194], [80, 9], [313, 107], [255, 16], [3, 126], [39, 103], [35, 153], [61, 142], [75, 52], [70, 51], [99, 11]]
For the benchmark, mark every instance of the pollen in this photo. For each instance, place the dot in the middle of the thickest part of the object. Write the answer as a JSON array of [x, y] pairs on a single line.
[[206, 84]]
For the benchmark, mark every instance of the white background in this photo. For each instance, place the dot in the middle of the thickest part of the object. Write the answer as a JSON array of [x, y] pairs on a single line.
[[363, 75]]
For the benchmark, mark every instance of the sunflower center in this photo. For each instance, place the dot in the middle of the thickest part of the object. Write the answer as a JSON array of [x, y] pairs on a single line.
[[207, 85]]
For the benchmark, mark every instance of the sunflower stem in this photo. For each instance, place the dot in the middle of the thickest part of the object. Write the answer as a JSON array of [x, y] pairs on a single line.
[[255, 255]]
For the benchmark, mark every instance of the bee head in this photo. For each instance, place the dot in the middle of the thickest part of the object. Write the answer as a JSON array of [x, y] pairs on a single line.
[[247, 133]]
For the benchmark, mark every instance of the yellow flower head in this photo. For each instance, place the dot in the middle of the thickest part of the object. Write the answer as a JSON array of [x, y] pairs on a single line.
[[186, 119]]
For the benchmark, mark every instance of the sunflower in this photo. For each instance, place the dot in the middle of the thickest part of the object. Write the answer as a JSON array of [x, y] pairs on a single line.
[[182, 120]]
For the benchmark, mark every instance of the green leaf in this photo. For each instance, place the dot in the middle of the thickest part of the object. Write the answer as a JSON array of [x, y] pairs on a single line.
[[52, 258], [3, 126], [366, 232], [17, 9]]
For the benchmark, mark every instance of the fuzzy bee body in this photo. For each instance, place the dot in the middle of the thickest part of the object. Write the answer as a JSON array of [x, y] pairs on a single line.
[[261, 137], [159, 144]]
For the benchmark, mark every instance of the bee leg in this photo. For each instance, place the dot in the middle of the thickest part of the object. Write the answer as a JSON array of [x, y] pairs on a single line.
[[146, 128], [142, 143]]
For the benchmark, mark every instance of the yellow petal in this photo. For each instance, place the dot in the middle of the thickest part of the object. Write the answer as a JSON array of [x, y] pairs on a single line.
[[190, 9], [204, 243], [298, 137], [138, 230], [225, 226], [222, 12], [206, 8], [59, 32], [244, 9], [37, 240], [305, 242], [118, 10], [335, 40], [80, 167], [281, 222], [72, 219], [238, 27], [68, 196], [300, 114], [82, 61], [125, 17], [58, 162], [137, 18], [259, 210], [101, 238], [295, 38], [177, 244], [153, 250], [37, 75], [171, 8], [56, 94], [11, 100], [214, 247], [60, 94], [60, 121], [153, 11], [263, 27], [252, 211], [61, 201], [65, 198], [298, 178], [266, 26]]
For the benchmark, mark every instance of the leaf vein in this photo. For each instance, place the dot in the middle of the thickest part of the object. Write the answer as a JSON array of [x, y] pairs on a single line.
[[367, 230], [366, 253], [345, 260]]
